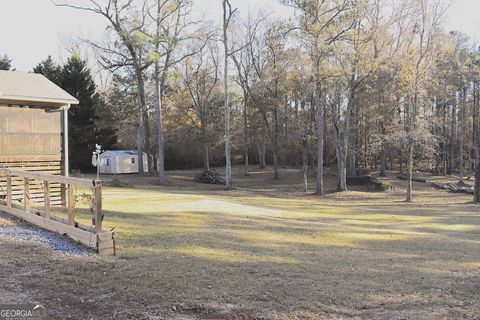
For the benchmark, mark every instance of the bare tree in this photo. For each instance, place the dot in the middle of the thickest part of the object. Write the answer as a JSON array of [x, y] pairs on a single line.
[[246, 76], [172, 29], [228, 13], [426, 15], [129, 23], [269, 59], [228, 51], [201, 78]]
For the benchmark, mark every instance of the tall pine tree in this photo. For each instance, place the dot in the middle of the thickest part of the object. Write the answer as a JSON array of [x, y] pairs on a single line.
[[50, 70], [89, 121], [105, 132], [77, 80], [5, 62]]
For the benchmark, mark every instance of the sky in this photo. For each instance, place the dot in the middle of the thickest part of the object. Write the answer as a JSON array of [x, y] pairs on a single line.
[[30, 30]]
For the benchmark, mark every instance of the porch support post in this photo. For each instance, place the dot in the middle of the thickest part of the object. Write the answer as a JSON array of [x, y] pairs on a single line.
[[66, 164]]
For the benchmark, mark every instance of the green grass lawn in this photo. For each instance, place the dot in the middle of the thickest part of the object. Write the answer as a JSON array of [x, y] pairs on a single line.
[[265, 250]]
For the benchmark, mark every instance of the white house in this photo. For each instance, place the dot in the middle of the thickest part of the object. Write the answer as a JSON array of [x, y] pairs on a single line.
[[121, 161]]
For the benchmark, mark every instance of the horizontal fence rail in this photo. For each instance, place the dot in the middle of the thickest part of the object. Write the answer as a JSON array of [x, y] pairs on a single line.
[[17, 201], [47, 165]]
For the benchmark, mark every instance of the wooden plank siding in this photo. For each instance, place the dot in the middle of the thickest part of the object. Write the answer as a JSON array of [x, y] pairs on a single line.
[[30, 132], [14, 144], [31, 140]]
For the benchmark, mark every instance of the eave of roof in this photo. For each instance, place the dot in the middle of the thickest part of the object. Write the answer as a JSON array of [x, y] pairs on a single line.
[[32, 89], [12, 98]]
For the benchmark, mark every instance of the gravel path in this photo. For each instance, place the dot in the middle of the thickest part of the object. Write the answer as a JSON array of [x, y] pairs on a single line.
[[19, 230]]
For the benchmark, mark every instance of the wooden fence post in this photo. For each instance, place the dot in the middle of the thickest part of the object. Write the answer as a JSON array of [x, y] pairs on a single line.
[[98, 206], [9, 190], [71, 204], [26, 194], [94, 237], [48, 208]]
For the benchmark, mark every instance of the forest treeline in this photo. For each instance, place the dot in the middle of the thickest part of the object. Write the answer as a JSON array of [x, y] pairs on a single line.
[[358, 85]]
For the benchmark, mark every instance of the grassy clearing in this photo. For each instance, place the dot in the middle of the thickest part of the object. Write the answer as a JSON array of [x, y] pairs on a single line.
[[263, 250]]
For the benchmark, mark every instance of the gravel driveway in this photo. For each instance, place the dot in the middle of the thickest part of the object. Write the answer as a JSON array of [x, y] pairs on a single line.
[[14, 228]]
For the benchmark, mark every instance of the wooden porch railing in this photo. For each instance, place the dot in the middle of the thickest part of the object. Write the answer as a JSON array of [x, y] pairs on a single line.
[[93, 236]]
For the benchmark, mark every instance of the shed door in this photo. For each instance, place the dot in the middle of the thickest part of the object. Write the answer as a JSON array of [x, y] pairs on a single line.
[[107, 165]]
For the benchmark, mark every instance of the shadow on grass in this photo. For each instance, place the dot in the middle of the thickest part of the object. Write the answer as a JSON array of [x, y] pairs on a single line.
[[217, 254], [218, 265]]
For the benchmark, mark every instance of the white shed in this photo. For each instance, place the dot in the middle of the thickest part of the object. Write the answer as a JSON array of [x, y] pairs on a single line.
[[121, 161]]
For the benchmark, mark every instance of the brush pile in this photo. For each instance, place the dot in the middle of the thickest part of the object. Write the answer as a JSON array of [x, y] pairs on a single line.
[[455, 188], [209, 177]]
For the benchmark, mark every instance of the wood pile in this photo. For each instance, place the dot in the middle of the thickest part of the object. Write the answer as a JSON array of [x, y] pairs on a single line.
[[209, 177], [455, 188]]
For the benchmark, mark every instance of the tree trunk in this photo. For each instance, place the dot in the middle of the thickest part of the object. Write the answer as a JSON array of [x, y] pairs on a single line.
[[438, 161], [206, 160], [159, 124], [461, 132], [411, 126], [245, 136], [365, 142], [409, 196], [445, 161], [383, 157], [320, 125], [344, 148], [159, 90], [149, 145], [141, 121], [228, 143], [410, 114], [306, 131], [342, 176], [453, 139], [263, 162], [141, 170], [477, 177], [352, 171], [475, 127], [320, 136], [339, 148], [276, 175], [476, 130], [261, 148], [383, 151], [342, 171], [305, 164], [445, 146]]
